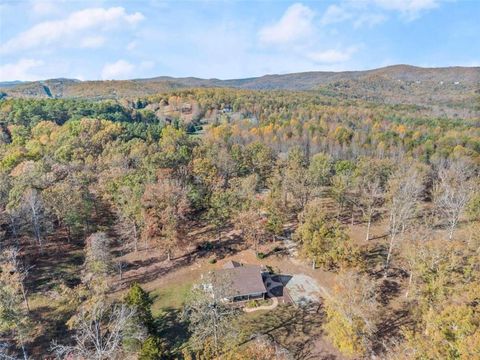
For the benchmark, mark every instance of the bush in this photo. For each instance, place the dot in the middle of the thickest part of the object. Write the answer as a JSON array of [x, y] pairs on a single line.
[[261, 255], [152, 349], [140, 299], [212, 261]]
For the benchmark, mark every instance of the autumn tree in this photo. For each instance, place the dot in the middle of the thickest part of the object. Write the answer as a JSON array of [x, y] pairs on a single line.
[[221, 205], [165, 206], [14, 309], [251, 224], [296, 179], [351, 314], [323, 240]]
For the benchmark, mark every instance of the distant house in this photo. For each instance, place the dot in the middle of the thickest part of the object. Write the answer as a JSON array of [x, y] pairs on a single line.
[[241, 282]]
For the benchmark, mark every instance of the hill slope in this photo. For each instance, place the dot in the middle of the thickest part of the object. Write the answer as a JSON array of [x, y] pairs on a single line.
[[452, 87]]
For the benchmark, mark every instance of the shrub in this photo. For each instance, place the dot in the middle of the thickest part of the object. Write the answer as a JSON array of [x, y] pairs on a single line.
[[261, 255], [152, 349]]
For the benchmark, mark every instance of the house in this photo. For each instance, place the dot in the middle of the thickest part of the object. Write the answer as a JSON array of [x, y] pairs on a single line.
[[241, 282]]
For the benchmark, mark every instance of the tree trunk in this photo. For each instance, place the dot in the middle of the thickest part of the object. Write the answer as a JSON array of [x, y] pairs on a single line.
[[36, 225], [389, 254], [450, 233], [410, 278], [369, 224], [135, 238], [25, 298]]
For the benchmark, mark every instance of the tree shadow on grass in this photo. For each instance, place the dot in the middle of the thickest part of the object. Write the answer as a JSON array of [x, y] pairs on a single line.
[[297, 329], [172, 329]]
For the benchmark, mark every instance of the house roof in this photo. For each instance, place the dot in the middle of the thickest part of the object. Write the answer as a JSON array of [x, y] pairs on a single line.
[[241, 279]]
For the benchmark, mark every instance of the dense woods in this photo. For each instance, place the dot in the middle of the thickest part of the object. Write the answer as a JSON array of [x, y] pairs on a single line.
[[84, 183]]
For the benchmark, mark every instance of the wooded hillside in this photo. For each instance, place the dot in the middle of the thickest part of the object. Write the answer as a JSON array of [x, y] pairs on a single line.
[[102, 200]]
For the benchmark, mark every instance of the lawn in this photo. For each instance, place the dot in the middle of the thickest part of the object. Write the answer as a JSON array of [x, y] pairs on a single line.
[[170, 296]]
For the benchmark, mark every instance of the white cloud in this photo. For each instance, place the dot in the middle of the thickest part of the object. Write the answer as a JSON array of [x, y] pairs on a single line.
[[368, 19], [49, 32], [92, 42], [46, 7], [410, 9], [335, 14], [332, 56], [118, 70], [19, 70], [296, 23]]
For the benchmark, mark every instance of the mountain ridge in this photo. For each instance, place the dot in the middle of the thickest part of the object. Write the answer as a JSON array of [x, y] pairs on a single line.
[[456, 86]]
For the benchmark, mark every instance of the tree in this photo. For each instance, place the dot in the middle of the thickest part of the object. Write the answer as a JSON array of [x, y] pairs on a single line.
[[165, 208], [370, 180], [451, 332], [18, 272], [13, 306], [321, 169], [454, 189], [140, 300], [351, 314], [152, 349], [404, 190], [98, 264], [296, 179], [209, 317], [129, 210], [98, 259], [99, 333], [322, 240], [220, 209], [251, 223], [69, 203]]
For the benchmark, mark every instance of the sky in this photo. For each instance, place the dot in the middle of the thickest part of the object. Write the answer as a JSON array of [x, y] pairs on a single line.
[[103, 39]]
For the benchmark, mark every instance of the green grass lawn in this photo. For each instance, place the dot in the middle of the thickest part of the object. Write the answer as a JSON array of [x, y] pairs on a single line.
[[172, 296]]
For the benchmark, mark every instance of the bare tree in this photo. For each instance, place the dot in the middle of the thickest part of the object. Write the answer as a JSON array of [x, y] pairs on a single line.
[[6, 354], [98, 258], [404, 190], [208, 314], [369, 198], [33, 206], [99, 333], [453, 190]]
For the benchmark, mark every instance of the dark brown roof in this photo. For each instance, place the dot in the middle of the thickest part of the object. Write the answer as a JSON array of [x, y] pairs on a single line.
[[242, 279]]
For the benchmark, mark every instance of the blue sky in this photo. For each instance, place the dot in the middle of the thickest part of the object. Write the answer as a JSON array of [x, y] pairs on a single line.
[[42, 39]]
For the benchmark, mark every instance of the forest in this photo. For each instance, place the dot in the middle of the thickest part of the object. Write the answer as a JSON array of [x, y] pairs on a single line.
[[108, 208]]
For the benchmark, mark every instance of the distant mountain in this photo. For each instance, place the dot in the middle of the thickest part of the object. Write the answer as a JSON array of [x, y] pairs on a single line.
[[8, 84], [455, 86]]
